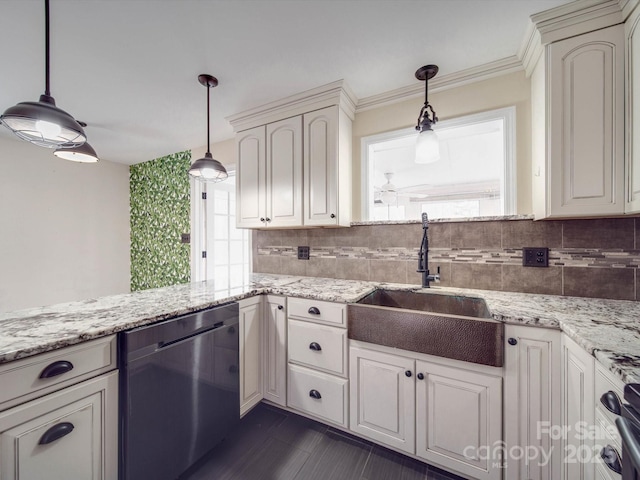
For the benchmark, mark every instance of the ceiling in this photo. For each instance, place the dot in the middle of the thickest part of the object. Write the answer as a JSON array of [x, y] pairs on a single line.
[[129, 67]]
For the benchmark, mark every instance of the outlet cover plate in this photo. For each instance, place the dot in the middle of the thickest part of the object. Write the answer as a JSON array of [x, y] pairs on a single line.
[[535, 257], [303, 253]]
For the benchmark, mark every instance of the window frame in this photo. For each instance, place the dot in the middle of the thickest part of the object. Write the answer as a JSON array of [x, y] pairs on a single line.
[[509, 178]]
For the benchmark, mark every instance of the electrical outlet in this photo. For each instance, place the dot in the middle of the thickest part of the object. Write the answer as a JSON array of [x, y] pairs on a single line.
[[185, 238], [535, 257], [303, 253]]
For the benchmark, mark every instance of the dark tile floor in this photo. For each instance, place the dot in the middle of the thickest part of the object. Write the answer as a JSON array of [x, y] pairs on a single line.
[[272, 444]]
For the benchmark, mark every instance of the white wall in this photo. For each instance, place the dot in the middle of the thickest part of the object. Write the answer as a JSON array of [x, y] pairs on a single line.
[[64, 227]]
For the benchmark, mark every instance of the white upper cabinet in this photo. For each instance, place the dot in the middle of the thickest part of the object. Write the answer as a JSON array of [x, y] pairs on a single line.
[[632, 65], [284, 173], [294, 160], [578, 126], [327, 167]]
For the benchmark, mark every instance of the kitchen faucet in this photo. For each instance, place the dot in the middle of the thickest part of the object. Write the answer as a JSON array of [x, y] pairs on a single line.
[[423, 256]]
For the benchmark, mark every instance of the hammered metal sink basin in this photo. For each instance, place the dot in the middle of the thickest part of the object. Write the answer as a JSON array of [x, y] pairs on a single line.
[[450, 326]]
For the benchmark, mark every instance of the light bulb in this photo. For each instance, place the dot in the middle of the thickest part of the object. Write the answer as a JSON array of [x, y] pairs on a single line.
[[427, 147], [48, 130]]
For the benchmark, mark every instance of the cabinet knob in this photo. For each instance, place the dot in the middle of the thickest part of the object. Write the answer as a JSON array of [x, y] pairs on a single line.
[[611, 458], [420, 376], [315, 347], [56, 432], [280, 307], [512, 341], [314, 311], [262, 219], [408, 373], [611, 402], [56, 368], [268, 219], [315, 394], [333, 215]]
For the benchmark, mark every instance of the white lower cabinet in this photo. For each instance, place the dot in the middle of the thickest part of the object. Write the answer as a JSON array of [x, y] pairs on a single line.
[[439, 410], [275, 349], [250, 353], [579, 450], [459, 419], [67, 435], [383, 398], [531, 403]]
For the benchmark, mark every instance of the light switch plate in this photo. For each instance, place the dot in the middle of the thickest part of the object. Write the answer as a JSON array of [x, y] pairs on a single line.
[[535, 257]]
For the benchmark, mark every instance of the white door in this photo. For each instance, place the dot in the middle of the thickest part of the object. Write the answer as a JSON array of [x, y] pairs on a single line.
[[321, 167], [632, 145], [383, 398], [67, 435], [458, 417], [250, 353], [252, 181], [578, 412], [587, 124], [284, 173], [532, 387], [275, 352]]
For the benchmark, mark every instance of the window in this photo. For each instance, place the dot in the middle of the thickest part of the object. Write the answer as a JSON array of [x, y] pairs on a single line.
[[228, 251], [474, 177]]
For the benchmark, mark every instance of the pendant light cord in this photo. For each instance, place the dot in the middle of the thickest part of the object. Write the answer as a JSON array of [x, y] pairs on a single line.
[[208, 128], [47, 90]]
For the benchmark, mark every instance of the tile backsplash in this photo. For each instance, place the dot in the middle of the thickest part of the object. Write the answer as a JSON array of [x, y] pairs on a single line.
[[587, 258]]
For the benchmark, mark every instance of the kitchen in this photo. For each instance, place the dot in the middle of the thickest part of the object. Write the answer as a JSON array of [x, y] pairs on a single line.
[[67, 268]]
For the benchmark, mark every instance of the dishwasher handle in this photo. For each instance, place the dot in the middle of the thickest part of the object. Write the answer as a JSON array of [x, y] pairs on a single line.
[[217, 326]]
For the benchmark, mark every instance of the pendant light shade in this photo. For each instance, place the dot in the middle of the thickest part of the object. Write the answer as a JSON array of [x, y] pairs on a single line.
[[427, 145], [82, 154], [41, 122], [208, 169]]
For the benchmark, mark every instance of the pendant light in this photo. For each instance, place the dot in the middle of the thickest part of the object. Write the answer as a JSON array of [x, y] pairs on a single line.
[[208, 169], [41, 122], [82, 154], [427, 147]]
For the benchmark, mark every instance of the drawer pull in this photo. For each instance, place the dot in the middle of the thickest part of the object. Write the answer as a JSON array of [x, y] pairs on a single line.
[[611, 402], [611, 458], [315, 394], [315, 346], [314, 311], [56, 368], [56, 432]]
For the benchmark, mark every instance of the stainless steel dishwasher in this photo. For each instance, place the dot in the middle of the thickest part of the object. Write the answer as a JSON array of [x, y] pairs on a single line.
[[179, 391]]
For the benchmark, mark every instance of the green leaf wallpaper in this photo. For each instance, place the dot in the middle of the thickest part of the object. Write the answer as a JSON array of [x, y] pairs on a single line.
[[159, 212]]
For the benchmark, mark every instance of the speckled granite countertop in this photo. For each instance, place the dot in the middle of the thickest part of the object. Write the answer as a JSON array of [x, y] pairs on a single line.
[[607, 329]]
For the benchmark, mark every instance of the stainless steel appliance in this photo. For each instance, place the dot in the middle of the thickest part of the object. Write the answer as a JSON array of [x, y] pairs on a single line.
[[179, 391], [629, 428]]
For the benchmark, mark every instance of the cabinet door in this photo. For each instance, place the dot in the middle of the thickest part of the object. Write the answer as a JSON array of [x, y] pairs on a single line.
[[67, 435], [586, 136], [321, 167], [578, 412], [532, 390], [275, 359], [284, 173], [459, 419], [632, 30], [250, 353], [251, 182], [382, 398]]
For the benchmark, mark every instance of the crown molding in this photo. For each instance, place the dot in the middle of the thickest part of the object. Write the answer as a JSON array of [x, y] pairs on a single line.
[[335, 93], [627, 7], [444, 82]]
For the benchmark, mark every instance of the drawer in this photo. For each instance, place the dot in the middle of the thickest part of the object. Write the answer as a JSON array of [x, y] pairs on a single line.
[[332, 405], [607, 432], [317, 311], [606, 382], [24, 379], [318, 346]]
